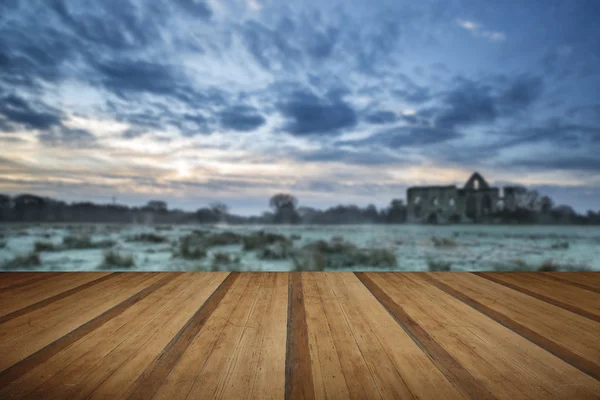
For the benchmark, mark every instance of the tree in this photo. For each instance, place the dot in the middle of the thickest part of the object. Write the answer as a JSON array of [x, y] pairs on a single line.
[[526, 199], [219, 209], [284, 206], [283, 200], [157, 205], [396, 212]]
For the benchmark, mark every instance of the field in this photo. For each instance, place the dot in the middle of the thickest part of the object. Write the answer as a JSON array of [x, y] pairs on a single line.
[[90, 247]]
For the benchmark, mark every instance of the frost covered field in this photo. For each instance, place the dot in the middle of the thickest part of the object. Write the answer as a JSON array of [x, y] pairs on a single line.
[[88, 247]]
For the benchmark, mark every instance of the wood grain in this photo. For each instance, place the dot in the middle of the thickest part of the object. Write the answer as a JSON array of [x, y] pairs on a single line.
[[586, 365], [298, 375]]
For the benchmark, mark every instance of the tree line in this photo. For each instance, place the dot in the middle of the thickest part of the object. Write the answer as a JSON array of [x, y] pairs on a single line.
[[284, 209]]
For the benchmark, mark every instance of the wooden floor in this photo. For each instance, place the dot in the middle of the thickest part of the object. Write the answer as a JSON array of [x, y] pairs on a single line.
[[300, 335]]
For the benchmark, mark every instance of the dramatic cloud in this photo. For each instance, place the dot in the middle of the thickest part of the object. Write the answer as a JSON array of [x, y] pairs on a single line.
[[239, 98]]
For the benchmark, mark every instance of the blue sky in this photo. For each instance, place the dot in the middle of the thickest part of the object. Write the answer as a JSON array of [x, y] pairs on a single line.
[[336, 102]]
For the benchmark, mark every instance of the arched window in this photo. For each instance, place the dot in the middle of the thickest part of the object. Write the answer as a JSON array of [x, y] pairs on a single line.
[[452, 202], [435, 202]]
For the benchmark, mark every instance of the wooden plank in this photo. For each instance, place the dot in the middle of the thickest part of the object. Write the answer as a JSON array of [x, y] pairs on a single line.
[[269, 380], [212, 377], [568, 336], [44, 353], [27, 334], [469, 386], [573, 278], [152, 378], [570, 298], [359, 378], [96, 345], [328, 376], [53, 314], [15, 280], [182, 377], [298, 376], [115, 373], [83, 281], [241, 377], [506, 363]]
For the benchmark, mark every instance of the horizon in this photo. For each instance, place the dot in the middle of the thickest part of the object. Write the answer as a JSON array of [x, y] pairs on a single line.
[[193, 102]]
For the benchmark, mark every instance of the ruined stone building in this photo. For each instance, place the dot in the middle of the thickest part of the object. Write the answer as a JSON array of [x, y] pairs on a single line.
[[471, 203]]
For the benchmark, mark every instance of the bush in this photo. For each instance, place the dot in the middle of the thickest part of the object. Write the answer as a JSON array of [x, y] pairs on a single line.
[[295, 237], [28, 260], [2, 244], [112, 259], [560, 246], [149, 238], [548, 266], [190, 248], [220, 259], [443, 242], [44, 246], [85, 242], [320, 255], [223, 239], [438, 266], [277, 251], [260, 239]]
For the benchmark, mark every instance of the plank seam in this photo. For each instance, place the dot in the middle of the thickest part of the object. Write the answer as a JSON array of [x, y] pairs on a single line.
[[33, 360], [298, 372], [549, 300], [52, 299], [550, 346], [454, 371], [555, 276], [148, 383]]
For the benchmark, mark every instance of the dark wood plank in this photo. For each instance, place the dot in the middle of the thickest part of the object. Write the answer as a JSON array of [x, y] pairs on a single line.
[[567, 279], [152, 378], [566, 355], [497, 278], [22, 281], [45, 353], [298, 375], [50, 300], [466, 383]]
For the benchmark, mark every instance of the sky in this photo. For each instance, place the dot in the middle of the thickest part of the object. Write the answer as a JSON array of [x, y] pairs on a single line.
[[337, 102]]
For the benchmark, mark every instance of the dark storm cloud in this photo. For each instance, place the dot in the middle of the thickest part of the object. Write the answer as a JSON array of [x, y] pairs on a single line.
[[197, 8], [241, 118], [381, 117], [397, 138], [309, 114], [16, 110], [468, 104]]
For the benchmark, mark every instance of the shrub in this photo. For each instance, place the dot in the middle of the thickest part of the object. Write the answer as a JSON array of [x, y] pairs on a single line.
[[222, 239], [220, 259], [548, 266], [23, 261], [438, 266], [295, 237], [320, 255], [443, 242], [261, 239], [44, 246], [277, 251], [2, 244], [112, 259], [149, 238], [190, 248], [85, 242], [560, 246]]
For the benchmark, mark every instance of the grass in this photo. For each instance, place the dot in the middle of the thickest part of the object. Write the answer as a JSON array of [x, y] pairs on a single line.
[[23, 261], [438, 266], [112, 259], [2, 244]]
